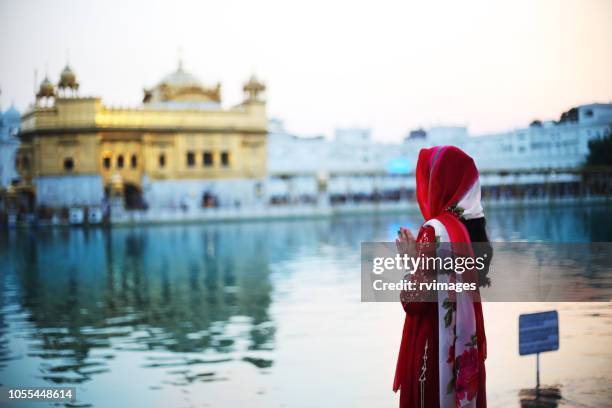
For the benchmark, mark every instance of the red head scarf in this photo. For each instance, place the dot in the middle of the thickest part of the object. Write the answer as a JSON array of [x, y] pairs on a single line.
[[444, 174]]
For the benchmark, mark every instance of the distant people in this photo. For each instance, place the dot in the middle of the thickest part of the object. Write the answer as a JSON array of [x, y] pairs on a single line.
[[209, 200], [443, 347]]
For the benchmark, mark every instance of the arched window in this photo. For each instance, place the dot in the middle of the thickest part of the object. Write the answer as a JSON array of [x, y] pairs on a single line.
[[134, 161], [68, 164], [106, 162], [207, 159], [162, 160], [190, 159], [225, 159], [120, 161]]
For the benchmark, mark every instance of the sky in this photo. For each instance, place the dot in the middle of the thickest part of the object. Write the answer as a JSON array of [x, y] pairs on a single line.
[[391, 66]]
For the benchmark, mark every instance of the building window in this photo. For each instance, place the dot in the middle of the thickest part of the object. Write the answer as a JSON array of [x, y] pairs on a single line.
[[106, 163], [134, 161], [190, 159], [120, 161], [68, 164], [161, 160], [207, 159], [225, 159], [25, 162]]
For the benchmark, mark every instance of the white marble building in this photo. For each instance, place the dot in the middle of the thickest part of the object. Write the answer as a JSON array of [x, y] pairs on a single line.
[[352, 163], [76, 190], [9, 128], [543, 145]]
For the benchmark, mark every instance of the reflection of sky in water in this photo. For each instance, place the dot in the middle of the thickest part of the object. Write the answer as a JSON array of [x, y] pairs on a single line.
[[261, 313]]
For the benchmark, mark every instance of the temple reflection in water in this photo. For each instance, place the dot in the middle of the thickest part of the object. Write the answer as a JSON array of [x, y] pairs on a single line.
[[167, 288]]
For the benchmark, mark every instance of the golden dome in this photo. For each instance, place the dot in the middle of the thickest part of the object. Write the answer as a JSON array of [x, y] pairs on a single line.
[[68, 79], [181, 89], [47, 89], [181, 78]]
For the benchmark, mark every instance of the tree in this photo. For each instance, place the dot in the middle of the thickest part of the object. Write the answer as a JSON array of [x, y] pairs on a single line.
[[536, 123], [600, 151]]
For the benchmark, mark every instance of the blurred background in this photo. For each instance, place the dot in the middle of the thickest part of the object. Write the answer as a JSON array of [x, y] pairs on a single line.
[[184, 187]]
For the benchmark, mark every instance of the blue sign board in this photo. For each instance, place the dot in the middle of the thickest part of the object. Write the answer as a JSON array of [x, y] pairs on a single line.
[[538, 332]]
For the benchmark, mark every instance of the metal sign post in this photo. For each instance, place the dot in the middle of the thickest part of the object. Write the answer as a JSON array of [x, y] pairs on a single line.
[[538, 332], [537, 371]]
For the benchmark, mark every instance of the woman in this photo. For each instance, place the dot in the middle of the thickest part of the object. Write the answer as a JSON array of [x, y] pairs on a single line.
[[443, 348]]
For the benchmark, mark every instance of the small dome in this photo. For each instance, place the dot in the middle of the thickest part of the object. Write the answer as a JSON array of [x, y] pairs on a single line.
[[47, 89], [254, 84], [68, 78], [12, 114], [253, 88]]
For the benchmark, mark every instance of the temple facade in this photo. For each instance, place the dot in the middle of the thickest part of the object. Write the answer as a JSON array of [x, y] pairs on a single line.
[[180, 148]]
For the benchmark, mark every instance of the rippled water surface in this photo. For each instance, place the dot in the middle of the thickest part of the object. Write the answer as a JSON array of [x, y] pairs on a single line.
[[259, 314]]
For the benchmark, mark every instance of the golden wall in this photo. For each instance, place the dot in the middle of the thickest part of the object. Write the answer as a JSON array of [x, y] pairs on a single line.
[[79, 136]]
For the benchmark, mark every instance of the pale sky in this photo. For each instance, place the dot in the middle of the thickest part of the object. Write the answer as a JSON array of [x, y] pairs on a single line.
[[388, 65]]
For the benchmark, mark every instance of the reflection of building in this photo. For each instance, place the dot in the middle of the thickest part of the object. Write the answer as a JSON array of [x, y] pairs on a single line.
[[9, 127], [179, 146], [112, 283]]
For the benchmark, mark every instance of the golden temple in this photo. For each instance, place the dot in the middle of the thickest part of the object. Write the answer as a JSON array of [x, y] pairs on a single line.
[[180, 133]]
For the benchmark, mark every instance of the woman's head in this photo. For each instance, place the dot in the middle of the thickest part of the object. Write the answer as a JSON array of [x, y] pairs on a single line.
[[444, 175]]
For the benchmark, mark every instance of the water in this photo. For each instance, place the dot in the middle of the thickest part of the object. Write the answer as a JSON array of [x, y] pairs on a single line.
[[259, 314]]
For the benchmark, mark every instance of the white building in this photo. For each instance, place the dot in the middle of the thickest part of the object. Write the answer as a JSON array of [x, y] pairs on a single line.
[[352, 163], [9, 128], [548, 145]]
